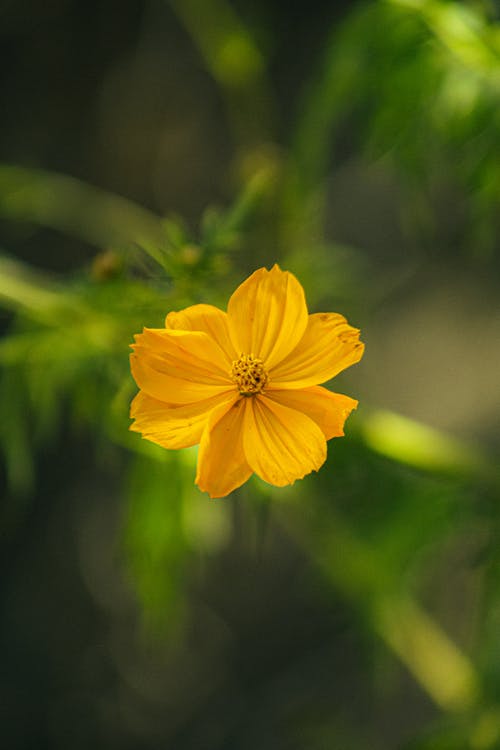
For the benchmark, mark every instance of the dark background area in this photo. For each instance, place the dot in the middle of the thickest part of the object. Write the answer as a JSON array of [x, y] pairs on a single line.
[[258, 649]]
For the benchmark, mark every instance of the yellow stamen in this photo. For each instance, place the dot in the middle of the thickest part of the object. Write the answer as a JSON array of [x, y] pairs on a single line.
[[249, 374]]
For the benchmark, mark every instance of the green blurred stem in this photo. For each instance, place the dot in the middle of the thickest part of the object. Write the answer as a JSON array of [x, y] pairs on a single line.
[[234, 61], [412, 443], [251, 197], [24, 289], [435, 661], [83, 211], [354, 569], [27, 291], [465, 33]]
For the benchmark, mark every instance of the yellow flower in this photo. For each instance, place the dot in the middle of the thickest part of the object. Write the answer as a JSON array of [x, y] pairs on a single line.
[[244, 384]]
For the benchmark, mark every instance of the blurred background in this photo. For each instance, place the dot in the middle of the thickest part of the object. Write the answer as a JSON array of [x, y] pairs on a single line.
[[153, 154]]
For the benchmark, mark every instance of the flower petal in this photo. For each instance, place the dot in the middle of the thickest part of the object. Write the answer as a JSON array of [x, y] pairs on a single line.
[[328, 346], [173, 426], [222, 466], [267, 315], [281, 444], [329, 410], [208, 319], [179, 367]]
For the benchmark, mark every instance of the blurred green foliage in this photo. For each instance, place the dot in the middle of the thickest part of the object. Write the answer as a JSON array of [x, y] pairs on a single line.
[[400, 509]]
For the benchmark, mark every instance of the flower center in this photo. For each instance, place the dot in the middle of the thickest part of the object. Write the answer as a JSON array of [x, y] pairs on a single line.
[[249, 374]]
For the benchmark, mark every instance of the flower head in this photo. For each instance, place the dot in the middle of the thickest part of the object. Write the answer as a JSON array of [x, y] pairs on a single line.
[[244, 384]]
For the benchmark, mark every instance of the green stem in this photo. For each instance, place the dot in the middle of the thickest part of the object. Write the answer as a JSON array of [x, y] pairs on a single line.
[[415, 444], [234, 61], [353, 568], [81, 210]]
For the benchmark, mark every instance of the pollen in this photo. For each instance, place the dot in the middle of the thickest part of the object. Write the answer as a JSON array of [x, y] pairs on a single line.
[[249, 374]]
